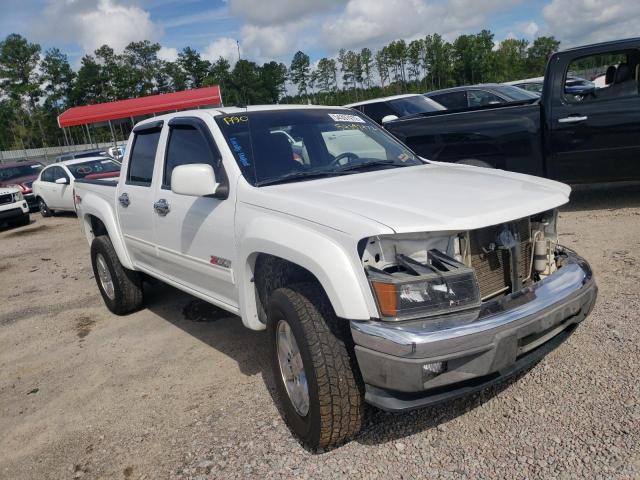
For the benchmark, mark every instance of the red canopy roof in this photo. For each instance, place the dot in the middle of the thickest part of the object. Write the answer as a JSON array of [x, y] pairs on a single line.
[[134, 107]]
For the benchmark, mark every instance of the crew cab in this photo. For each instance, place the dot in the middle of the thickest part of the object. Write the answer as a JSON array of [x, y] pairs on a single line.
[[383, 278], [576, 132], [54, 186], [14, 209]]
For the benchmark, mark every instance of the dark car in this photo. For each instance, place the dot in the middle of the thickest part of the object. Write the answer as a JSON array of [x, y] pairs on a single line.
[[471, 96], [21, 174], [381, 110], [575, 133], [573, 85]]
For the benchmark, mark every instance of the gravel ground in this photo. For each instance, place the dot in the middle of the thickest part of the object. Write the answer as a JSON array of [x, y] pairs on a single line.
[[179, 390]]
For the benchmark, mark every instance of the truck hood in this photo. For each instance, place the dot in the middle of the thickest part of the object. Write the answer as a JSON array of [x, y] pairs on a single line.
[[428, 198]]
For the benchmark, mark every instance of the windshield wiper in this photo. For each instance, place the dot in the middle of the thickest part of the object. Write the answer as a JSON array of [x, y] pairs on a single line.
[[295, 176], [370, 165]]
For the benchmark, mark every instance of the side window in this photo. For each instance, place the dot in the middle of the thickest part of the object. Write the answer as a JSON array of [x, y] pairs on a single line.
[[47, 175], [478, 98], [602, 77], [452, 100], [143, 157], [377, 111], [58, 172], [188, 145]]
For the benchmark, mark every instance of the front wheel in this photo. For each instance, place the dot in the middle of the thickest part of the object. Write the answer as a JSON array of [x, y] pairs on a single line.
[[121, 288], [317, 379], [44, 209]]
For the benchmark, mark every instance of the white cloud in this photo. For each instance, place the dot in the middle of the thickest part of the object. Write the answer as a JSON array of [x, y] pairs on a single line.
[[195, 18], [168, 54], [365, 23], [578, 22], [93, 23], [224, 47], [276, 12], [531, 29]]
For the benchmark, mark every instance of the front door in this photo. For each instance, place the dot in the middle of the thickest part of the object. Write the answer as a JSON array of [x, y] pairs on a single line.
[[135, 196], [595, 130], [195, 235]]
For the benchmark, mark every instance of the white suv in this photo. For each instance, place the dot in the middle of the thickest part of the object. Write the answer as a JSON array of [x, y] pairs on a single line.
[[13, 207]]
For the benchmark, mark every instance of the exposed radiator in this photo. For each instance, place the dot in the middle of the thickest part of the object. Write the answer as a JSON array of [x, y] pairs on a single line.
[[493, 268]]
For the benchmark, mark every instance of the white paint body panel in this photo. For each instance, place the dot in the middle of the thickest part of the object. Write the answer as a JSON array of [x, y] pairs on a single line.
[[316, 224]]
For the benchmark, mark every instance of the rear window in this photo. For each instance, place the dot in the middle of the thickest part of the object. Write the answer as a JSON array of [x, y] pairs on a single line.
[[143, 157], [93, 168], [451, 100], [414, 105]]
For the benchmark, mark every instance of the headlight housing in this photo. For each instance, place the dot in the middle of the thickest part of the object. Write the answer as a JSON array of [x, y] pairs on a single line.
[[441, 285], [18, 197]]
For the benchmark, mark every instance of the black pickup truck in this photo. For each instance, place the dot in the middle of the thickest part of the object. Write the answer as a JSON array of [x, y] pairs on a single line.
[[577, 136]]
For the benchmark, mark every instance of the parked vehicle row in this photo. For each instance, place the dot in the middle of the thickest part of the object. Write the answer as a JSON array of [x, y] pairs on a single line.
[[379, 276], [571, 134], [53, 189]]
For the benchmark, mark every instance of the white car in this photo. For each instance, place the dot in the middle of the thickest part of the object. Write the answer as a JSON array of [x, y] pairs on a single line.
[[13, 207], [54, 187]]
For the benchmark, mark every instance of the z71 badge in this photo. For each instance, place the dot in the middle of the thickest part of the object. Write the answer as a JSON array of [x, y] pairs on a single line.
[[221, 262]]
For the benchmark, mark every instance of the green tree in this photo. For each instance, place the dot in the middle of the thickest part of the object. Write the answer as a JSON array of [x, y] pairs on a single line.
[[196, 69], [19, 79], [273, 76], [57, 77], [299, 72], [538, 54], [87, 88], [140, 64], [366, 63], [511, 58]]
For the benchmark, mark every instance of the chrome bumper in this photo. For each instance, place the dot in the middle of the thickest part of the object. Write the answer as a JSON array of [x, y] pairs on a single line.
[[487, 342]]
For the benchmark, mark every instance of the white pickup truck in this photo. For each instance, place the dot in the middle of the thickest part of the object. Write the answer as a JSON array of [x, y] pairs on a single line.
[[379, 276]]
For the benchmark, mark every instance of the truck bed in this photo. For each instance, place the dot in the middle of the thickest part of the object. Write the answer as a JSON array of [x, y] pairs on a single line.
[[507, 137]]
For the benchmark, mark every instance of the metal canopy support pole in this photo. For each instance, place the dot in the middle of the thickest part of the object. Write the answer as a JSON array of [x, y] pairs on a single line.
[[64, 134], [113, 135], [89, 133]]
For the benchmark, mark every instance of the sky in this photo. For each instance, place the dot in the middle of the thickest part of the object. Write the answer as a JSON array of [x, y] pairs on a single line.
[[276, 29]]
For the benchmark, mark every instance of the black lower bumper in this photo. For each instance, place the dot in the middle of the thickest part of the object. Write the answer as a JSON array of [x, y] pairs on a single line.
[[12, 214]]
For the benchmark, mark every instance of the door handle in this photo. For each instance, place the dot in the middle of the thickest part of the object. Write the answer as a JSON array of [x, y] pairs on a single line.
[[124, 200], [572, 119], [161, 207]]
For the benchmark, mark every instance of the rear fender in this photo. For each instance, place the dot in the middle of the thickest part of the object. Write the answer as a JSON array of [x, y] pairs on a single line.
[[93, 205]]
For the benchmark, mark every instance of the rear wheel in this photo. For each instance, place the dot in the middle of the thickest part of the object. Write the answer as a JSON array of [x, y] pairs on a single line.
[[317, 379], [44, 209], [121, 288]]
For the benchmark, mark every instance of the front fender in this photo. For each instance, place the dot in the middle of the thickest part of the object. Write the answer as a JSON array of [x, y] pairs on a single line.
[[93, 205], [321, 255]]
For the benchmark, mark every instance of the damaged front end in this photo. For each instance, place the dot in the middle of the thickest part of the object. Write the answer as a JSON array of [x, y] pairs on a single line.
[[422, 274], [459, 311]]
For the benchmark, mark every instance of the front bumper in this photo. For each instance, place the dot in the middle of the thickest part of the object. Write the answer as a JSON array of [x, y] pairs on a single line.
[[476, 348], [13, 211], [31, 201]]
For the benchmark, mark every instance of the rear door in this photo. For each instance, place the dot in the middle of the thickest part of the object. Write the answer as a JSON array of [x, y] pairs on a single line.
[[135, 195], [195, 235], [595, 134]]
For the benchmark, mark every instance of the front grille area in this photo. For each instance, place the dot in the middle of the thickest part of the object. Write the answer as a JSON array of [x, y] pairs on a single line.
[[492, 267], [4, 199]]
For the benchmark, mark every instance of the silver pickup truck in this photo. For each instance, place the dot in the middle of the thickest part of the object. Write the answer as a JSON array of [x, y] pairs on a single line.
[[380, 277]]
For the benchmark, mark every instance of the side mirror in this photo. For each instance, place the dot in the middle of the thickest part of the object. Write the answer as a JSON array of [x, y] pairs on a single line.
[[196, 180], [389, 118], [62, 181]]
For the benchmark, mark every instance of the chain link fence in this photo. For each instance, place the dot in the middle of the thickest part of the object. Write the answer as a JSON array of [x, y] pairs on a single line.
[[48, 155]]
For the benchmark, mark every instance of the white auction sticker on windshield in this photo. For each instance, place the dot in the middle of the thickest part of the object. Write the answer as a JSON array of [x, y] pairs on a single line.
[[343, 117]]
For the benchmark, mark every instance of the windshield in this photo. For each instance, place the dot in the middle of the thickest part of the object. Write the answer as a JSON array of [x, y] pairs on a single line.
[[93, 168], [413, 105], [10, 173], [293, 145]]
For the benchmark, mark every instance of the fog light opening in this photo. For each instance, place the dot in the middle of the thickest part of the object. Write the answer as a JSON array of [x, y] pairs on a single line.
[[430, 370]]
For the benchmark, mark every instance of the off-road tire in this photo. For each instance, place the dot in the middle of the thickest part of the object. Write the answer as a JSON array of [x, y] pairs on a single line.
[[127, 283], [44, 209], [475, 163], [336, 391]]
